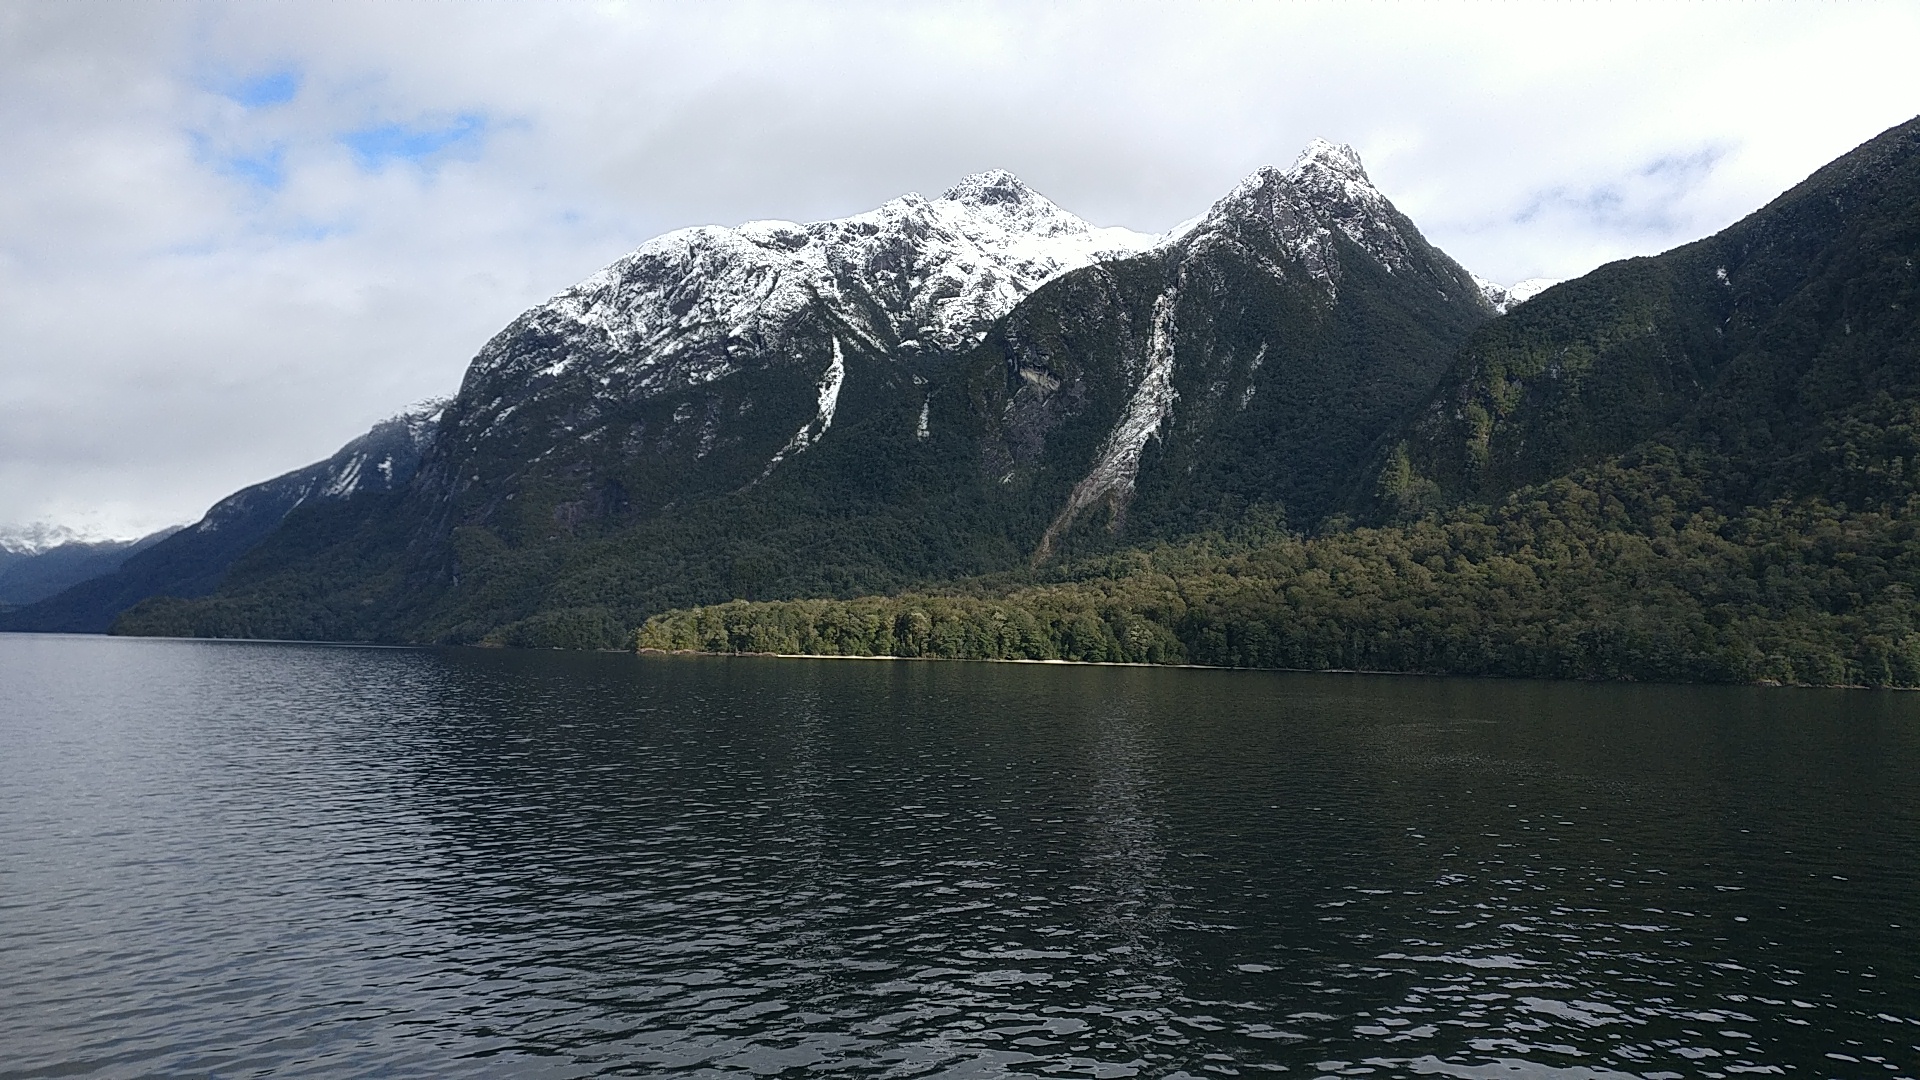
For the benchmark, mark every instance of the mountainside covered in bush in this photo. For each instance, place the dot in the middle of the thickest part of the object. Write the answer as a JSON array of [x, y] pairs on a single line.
[[1625, 572], [1784, 347], [193, 561], [938, 389], [1697, 466]]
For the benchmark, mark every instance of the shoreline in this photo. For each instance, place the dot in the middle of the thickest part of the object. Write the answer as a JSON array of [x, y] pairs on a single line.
[[629, 651], [1763, 684], [971, 660]]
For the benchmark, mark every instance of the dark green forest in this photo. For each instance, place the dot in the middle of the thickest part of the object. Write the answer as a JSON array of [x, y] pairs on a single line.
[[1625, 572]]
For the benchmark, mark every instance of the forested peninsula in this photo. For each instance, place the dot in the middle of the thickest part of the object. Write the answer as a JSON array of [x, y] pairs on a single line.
[[1614, 575]]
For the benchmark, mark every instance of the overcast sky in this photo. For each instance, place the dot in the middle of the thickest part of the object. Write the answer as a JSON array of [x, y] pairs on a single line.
[[234, 236]]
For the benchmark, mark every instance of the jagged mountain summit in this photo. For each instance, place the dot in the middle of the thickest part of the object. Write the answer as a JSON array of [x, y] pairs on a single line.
[[1301, 209], [935, 388], [693, 306], [1327, 191], [1267, 345]]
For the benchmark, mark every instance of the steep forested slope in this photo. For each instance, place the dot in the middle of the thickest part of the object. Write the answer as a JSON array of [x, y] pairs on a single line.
[[1697, 466], [1785, 348], [1622, 573], [195, 560]]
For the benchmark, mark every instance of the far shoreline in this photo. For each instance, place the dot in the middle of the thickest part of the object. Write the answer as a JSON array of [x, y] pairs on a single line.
[[648, 651], [1769, 684]]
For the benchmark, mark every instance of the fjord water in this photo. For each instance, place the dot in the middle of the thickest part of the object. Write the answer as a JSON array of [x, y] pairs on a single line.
[[239, 859]]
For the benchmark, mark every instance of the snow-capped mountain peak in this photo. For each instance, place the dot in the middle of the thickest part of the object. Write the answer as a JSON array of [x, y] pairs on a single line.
[[1505, 298], [995, 186], [1300, 208], [1325, 171], [1003, 198], [41, 537], [1337, 159], [940, 270], [1331, 173], [915, 275]]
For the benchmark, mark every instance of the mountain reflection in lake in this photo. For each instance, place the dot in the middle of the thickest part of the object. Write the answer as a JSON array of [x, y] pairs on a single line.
[[233, 859]]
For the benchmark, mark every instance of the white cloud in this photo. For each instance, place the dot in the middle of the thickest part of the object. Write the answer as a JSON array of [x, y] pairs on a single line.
[[232, 236]]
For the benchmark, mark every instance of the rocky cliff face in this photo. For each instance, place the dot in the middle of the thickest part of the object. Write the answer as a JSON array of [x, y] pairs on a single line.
[[1253, 358]]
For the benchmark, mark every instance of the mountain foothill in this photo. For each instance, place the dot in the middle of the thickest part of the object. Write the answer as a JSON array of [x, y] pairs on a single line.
[[1289, 433]]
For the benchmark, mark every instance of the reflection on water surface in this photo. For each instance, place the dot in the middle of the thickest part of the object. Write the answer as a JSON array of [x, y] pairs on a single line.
[[233, 859]]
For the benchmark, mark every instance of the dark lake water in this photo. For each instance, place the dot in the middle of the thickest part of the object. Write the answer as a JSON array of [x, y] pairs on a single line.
[[237, 859]]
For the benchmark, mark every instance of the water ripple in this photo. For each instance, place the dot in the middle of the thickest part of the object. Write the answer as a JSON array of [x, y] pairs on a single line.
[[233, 859]]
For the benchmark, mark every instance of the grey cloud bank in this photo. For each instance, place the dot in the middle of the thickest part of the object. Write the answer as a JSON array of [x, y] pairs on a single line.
[[233, 237]]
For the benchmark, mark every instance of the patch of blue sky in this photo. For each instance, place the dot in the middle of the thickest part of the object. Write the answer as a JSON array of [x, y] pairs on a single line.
[[1685, 167], [1646, 199], [256, 235], [263, 170], [377, 146], [266, 170], [262, 91], [311, 232]]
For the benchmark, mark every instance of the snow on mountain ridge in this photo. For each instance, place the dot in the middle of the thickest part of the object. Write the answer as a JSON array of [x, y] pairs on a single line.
[[1325, 189], [914, 277], [938, 271], [41, 536], [1505, 298], [382, 459]]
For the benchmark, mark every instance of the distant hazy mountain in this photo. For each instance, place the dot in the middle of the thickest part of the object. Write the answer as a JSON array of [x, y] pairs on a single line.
[[191, 561], [40, 560], [18, 541]]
